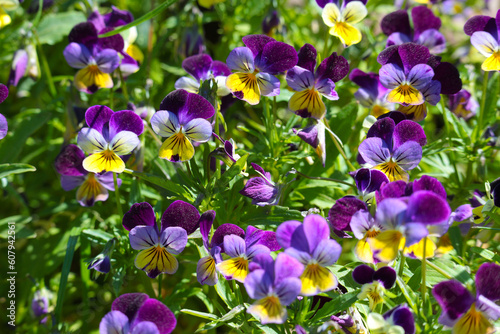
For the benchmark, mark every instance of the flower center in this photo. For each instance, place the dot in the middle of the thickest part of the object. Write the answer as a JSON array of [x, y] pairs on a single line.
[[372, 233], [475, 321]]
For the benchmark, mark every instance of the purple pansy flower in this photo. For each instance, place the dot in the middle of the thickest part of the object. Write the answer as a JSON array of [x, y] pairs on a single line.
[[310, 85], [463, 104], [374, 282], [102, 262], [19, 67], [396, 26], [158, 246], [4, 127], [40, 304], [371, 93], [92, 187], [202, 67], [262, 190], [341, 213], [136, 313], [275, 285], [108, 136], [205, 270], [484, 32], [95, 57], [270, 23], [182, 118], [192, 42], [310, 244], [464, 312], [242, 251], [256, 66], [393, 149], [314, 135], [368, 181], [397, 320]]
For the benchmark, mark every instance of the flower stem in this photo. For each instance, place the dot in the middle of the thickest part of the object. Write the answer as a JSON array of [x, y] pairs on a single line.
[[450, 144], [117, 196], [401, 265], [423, 287], [159, 286], [483, 105], [325, 179], [337, 144], [46, 68], [124, 85]]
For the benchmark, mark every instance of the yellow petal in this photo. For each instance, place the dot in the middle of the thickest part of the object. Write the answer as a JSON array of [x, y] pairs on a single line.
[[387, 243], [104, 161], [91, 79], [91, 191], [473, 322], [418, 249], [444, 245], [374, 292], [177, 148], [379, 110], [363, 251], [405, 94], [307, 103], [354, 12], [416, 113], [156, 258], [4, 18], [315, 279], [136, 53], [347, 33], [331, 14], [393, 171], [492, 63], [245, 84], [269, 310], [236, 268]]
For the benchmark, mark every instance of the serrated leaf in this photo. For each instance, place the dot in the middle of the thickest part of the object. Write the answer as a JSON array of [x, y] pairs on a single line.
[[55, 26]]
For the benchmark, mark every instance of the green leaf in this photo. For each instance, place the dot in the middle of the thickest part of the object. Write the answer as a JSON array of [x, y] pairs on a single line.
[[117, 280], [21, 230], [270, 215], [55, 26], [8, 169], [198, 314], [97, 234], [231, 173], [456, 239], [339, 303], [224, 319], [168, 185], [485, 253]]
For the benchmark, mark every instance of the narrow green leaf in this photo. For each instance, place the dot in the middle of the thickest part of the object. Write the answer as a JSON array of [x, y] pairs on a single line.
[[456, 239], [340, 303], [198, 314], [486, 253], [231, 173], [8, 169], [168, 185]]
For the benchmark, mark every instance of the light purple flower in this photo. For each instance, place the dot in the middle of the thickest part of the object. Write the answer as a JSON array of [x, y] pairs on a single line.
[[262, 190], [4, 127], [463, 104], [314, 135], [371, 93]]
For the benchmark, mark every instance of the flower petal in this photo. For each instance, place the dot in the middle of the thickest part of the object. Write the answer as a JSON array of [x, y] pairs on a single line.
[[188, 84], [396, 22], [299, 78], [69, 161], [156, 312], [199, 130], [268, 310], [354, 12], [235, 268], [124, 142], [317, 279], [174, 239], [234, 245], [198, 66], [145, 327], [244, 86], [347, 33], [361, 222], [423, 19], [488, 281], [97, 116], [77, 55], [430, 183], [286, 266], [341, 213], [222, 231], [143, 237], [363, 274], [206, 220], [129, 303], [390, 212], [241, 60], [90, 79], [91, 191], [165, 123], [285, 231], [327, 252], [177, 148], [386, 245], [454, 299], [114, 322], [307, 57], [156, 260], [260, 191], [256, 43], [205, 271], [181, 214], [334, 68], [408, 131], [307, 103], [288, 290], [386, 275], [330, 14], [408, 155], [107, 60], [125, 120], [140, 214], [420, 76], [391, 76], [258, 284], [374, 151], [316, 229], [427, 207], [384, 129], [277, 57], [187, 106], [104, 161], [269, 85], [434, 40], [91, 140]]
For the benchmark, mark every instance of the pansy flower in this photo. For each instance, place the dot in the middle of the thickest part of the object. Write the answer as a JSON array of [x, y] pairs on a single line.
[[182, 118], [310, 244], [201, 68], [136, 313], [108, 136], [256, 66], [7, 5], [374, 282], [371, 93], [405, 222], [365, 228], [341, 213], [314, 135], [463, 104], [392, 148], [95, 57], [368, 181], [242, 251], [40, 304], [92, 187], [262, 190], [310, 85], [341, 20], [396, 26], [398, 320], [466, 313], [158, 246], [192, 42], [4, 127], [270, 23], [205, 269], [275, 285], [485, 33], [407, 76]]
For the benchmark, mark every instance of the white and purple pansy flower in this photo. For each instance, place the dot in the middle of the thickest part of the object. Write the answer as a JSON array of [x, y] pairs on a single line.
[[485, 35], [398, 320], [311, 84], [136, 313], [392, 148], [109, 136], [94, 57], [201, 68], [310, 244], [158, 246], [182, 118], [241, 251], [466, 313], [92, 187], [262, 190], [374, 282], [396, 26], [256, 66], [275, 284], [371, 93]]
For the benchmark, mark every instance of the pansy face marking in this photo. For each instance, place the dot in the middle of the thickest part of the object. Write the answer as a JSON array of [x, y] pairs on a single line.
[[341, 20]]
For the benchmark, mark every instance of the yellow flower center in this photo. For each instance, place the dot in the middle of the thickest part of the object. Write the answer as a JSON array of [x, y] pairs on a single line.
[[473, 322]]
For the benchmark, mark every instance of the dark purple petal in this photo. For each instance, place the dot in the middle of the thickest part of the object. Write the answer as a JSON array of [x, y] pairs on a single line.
[[268, 239], [397, 21], [363, 274], [187, 106], [19, 66], [408, 131], [341, 212], [386, 275], [449, 77], [206, 221], [97, 116], [453, 298], [156, 312], [429, 183], [322, 3], [125, 120], [495, 191], [402, 316], [260, 191], [276, 57], [118, 17], [256, 43], [334, 68], [384, 129], [4, 126], [220, 69], [427, 207], [395, 115], [480, 23], [423, 18], [4, 92], [222, 231], [69, 161], [367, 81], [390, 55], [181, 214], [307, 57], [114, 42], [413, 54], [198, 66], [394, 189], [369, 180], [84, 33], [102, 265], [488, 281], [97, 20], [129, 303], [139, 214]]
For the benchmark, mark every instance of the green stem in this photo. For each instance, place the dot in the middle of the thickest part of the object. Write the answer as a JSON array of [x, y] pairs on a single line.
[[124, 85], [38, 14], [337, 145], [269, 125], [159, 286], [401, 286], [153, 134], [450, 144], [401, 265], [483, 105], [423, 287], [117, 195], [325, 179], [326, 48], [46, 68]]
